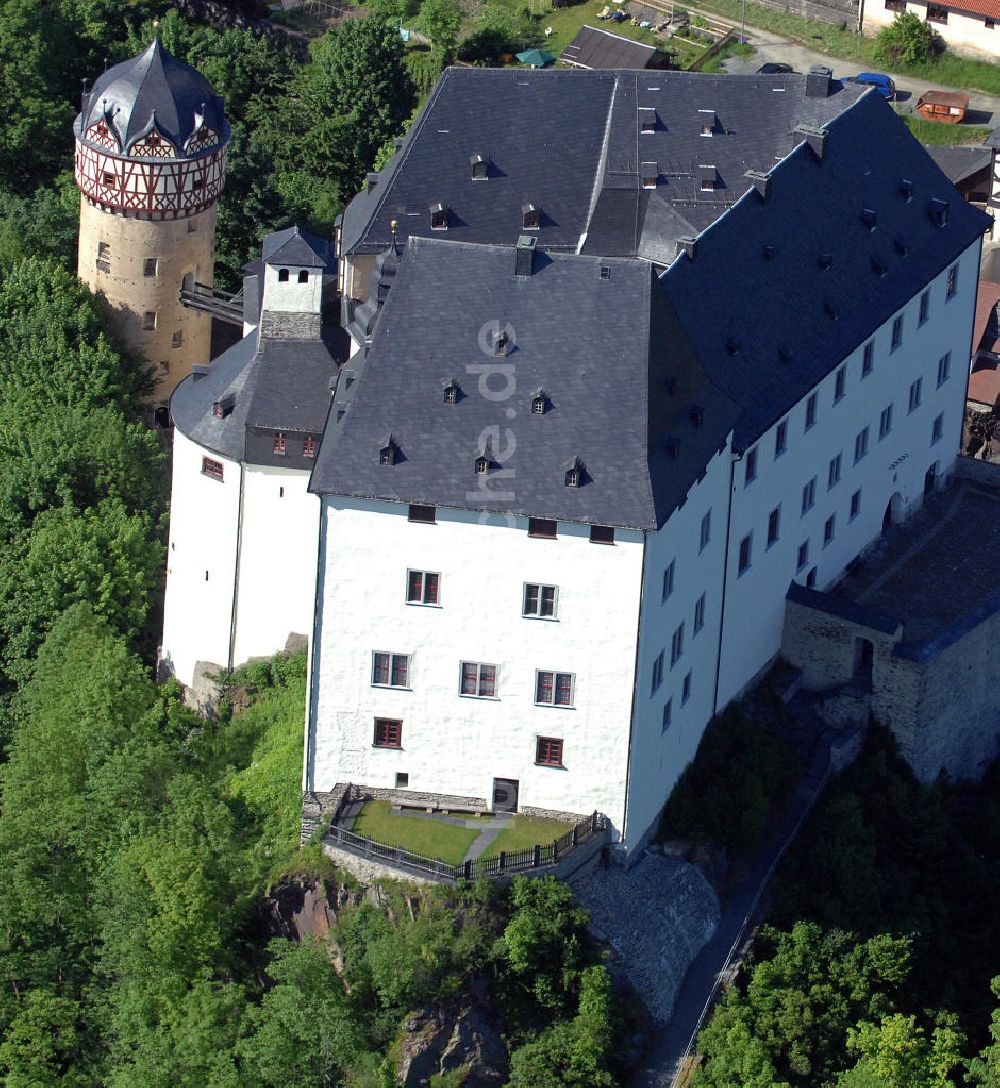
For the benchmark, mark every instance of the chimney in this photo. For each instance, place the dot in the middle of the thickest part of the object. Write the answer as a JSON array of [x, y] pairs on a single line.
[[818, 81], [524, 255], [371, 180], [815, 138], [760, 181], [688, 246]]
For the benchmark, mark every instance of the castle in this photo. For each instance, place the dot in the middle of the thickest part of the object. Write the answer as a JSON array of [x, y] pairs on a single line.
[[531, 453]]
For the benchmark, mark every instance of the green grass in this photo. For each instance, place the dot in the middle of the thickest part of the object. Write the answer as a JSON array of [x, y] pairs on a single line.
[[565, 23], [446, 842], [526, 831], [935, 132]]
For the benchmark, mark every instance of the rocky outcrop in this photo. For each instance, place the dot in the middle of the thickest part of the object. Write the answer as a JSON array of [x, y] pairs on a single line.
[[299, 907], [463, 1036]]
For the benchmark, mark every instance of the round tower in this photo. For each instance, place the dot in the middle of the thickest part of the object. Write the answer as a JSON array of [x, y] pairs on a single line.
[[150, 164]]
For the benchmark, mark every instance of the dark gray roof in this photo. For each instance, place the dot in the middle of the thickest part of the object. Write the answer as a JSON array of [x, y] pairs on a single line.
[[596, 48], [606, 348], [571, 143], [157, 85], [959, 163], [756, 291], [296, 247]]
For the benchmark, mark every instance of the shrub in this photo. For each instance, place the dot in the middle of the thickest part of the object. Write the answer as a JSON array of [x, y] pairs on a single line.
[[907, 40]]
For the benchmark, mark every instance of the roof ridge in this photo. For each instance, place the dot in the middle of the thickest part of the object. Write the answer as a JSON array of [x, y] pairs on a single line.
[[601, 162]]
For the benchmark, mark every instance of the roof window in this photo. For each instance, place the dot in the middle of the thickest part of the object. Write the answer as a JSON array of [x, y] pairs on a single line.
[[768, 252], [605, 272], [480, 165], [697, 415], [672, 447], [649, 174], [539, 402], [869, 217], [452, 391], [708, 121], [906, 189], [708, 177], [879, 267], [573, 472], [501, 345], [388, 451], [482, 466], [531, 217], [223, 407], [901, 245], [938, 210], [831, 311], [826, 261], [647, 119], [439, 216]]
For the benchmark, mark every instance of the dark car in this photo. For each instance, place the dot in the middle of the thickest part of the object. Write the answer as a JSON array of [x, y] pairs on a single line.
[[883, 84], [772, 69]]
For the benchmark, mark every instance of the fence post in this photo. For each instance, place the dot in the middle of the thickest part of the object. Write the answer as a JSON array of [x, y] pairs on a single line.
[[503, 860], [576, 833], [555, 849], [537, 858], [467, 867]]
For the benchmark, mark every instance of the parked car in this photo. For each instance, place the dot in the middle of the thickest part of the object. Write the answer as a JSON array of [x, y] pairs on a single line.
[[883, 84], [774, 69]]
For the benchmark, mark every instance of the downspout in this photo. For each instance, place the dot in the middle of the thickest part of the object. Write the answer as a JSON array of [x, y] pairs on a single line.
[[312, 692], [236, 576], [635, 685], [725, 576]]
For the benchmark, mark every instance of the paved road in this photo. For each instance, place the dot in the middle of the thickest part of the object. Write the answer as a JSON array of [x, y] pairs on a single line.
[[984, 109]]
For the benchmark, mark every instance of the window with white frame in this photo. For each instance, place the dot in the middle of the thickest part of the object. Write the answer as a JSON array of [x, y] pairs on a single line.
[[833, 472], [809, 496], [861, 445], [539, 601], [868, 359], [699, 615], [856, 504], [839, 384], [676, 645], [390, 670], [915, 389], [811, 411], [478, 680], [773, 526], [897, 331], [781, 438], [422, 587], [944, 368], [668, 580], [828, 529], [885, 422], [657, 676], [554, 688], [925, 306], [750, 467]]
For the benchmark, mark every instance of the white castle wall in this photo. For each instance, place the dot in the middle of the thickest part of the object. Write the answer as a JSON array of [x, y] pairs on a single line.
[[455, 744], [292, 296]]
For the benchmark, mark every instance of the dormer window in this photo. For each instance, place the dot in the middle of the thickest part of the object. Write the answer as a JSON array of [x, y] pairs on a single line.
[[672, 447], [482, 466], [869, 218], [573, 473], [280, 443], [939, 211], [697, 414], [647, 119], [709, 177], [480, 168], [451, 391], [768, 252], [902, 246], [283, 275], [439, 217], [879, 267], [906, 189], [708, 122], [825, 262], [539, 402], [308, 446], [649, 174], [531, 217], [303, 276], [223, 408], [501, 344], [387, 451], [831, 311]]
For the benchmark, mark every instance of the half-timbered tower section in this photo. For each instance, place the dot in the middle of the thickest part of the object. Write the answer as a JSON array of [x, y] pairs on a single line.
[[150, 164]]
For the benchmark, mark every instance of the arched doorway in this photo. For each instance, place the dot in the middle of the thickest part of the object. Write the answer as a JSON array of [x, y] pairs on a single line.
[[893, 511]]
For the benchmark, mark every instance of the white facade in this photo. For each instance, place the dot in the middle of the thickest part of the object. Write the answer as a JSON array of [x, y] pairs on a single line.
[[301, 292], [964, 30], [241, 562]]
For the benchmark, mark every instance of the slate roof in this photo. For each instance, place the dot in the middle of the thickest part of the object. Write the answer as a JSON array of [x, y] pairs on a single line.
[[155, 83], [984, 379], [571, 143], [767, 320], [294, 246], [606, 349], [594, 47], [959, 163]]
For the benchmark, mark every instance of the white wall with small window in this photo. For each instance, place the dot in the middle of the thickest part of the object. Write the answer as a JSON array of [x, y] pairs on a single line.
[[870, 430], [520, 651], [293, 289]]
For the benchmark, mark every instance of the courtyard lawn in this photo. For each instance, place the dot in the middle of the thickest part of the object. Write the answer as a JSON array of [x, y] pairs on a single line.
[[935, 132], [432, 838], [565, 23], [525, 831]]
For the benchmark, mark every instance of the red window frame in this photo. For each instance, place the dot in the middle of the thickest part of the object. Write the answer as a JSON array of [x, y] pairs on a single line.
[[422, 587], [549, 752], [280, 442], [388, 733], [212, 469], [308, 446]]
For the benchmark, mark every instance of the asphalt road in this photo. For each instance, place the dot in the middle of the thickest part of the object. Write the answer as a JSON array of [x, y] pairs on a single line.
[[984, 109]]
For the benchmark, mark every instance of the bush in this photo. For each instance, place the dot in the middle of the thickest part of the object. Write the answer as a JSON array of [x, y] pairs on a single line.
[[907, 40]]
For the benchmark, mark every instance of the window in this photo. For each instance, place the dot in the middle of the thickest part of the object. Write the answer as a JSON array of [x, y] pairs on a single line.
[[549, 752], [938, 429], [869, 218], [177, 339], [554, 688], [149, 320], [856, 504], [750, 468], [809, 495], [539, 601], [803, 555], [895, 5], [861, 445], [280, 442], [388, 733], [936, 14], [308, 446], [989, 24], [699, 615], [422, 587], [706, 531], [668, 713], [649, 173], [686, 689], [833, 476], [839, 384], [197, 184], [897, 332], [925, 307], [303, 276], [668, 581], [531, 217], [425, 514], [885, 422], [773, 526], [952, 284], [915, 394], [104, 256], [390, 670], [542, 527], [109, 179], [451, 391], [868, 359], [828, 529], [944, 368], [192, 226], [647, 119], [150, 266], [602, 534], [479, 680], [402, 780], [657, 678], [811, 411], [781, 438], [811, 579], [283, 275], [676, 645], [211, 468], [439, 217], [746, 550], [539, 402]]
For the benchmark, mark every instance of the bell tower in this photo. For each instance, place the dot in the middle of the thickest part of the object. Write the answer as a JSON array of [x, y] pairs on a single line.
[[150, 163]]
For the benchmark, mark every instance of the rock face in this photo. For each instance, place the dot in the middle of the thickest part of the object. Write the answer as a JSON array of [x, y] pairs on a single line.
[[463, 1036], [297, 907]]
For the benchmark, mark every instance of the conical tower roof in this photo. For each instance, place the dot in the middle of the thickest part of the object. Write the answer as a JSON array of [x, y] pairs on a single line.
[[154, 88]]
